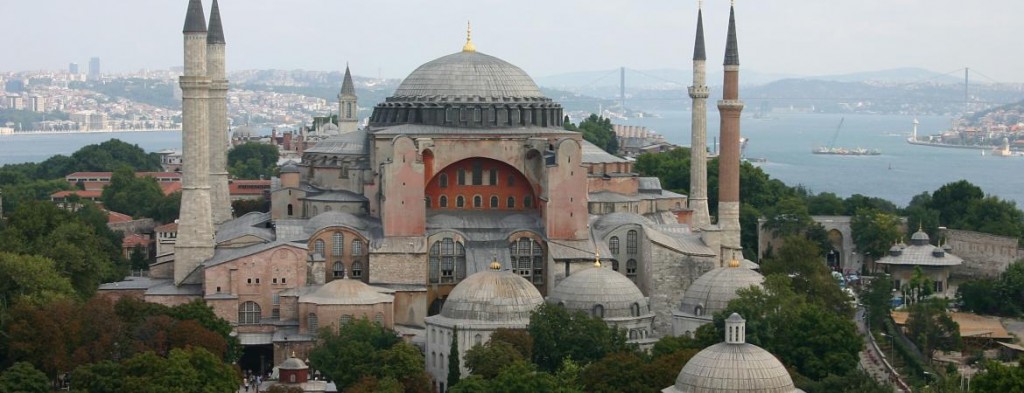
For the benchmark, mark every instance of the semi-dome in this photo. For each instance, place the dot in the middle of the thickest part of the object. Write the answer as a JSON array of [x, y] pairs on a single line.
[[346, 291], [712, 292], [617, 295], [469, 76], [733, 366], [492, 296]]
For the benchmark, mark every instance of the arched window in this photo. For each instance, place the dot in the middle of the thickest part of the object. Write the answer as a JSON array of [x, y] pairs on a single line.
[[318, 247], [357, 269], [527, 201], [346, 319], [511, 202], [493, 178], [460, 201], [433, 359], [631, 269], [478, 339], [337, 244], [249, 313], [290, 210], [634, 310], [443, 180], [631, 242], [615, 264], [698, 311], [339, 269], [313, 322], [613, 245], [327, 208], [528, 259], [478, 201], [443, 201], [357, 247], [494, 201], [315, 211], [447, 261], [597, 311]]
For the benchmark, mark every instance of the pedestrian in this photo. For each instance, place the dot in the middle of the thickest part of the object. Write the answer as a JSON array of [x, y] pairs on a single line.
[[245, 383]]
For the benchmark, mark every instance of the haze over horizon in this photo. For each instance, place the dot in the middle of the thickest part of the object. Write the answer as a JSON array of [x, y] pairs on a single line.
[[390, 39]]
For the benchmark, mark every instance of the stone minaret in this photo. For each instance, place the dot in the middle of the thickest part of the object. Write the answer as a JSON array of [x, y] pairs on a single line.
[[220, 200], [195, 223], [348, 119], [698, 134], [729, 159]]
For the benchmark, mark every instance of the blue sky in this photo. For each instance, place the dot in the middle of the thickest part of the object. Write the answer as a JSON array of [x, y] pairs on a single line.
[[391, 38]]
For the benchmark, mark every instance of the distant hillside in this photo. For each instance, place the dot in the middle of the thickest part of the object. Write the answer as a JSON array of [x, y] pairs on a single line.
[[895, 75]]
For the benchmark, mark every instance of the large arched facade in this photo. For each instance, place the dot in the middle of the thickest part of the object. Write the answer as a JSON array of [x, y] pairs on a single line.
[[479, 184], [343, 251]]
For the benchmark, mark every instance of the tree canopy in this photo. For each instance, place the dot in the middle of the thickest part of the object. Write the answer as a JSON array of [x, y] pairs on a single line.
[[361, 349], [139, 196], [253, 160], [597, 130], [559, 334]]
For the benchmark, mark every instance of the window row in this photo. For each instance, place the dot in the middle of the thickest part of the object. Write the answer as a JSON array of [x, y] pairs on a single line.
[[338, 270], [478, 202], [447, 261], [338, 246], [476, 177]]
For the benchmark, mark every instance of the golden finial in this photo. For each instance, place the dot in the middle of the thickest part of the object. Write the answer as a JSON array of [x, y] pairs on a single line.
[[469, 47], [597, 259], [734, 263], [293, 353], [495, 265]]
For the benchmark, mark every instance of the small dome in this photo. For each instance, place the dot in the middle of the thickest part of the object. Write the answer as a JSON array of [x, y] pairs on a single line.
[[292, 363], [346, 292], [920, 237], [334, 218], [725, 367], [711, 292], [733, 366], [290, 167], [492, 296], [470, 76], [587, 288]]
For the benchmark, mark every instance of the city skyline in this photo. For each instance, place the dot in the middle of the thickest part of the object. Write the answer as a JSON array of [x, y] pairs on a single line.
[[791, 37]]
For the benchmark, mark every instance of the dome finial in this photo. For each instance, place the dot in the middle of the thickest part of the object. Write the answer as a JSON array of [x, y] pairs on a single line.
[[597, 259], [495, 265], [734, 263], [469, 47]]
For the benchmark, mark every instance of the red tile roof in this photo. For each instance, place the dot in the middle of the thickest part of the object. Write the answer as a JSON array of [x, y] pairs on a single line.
[[248, 187], [117, 217], [84, 194], [171, 227], [132, 240], [170, 187]]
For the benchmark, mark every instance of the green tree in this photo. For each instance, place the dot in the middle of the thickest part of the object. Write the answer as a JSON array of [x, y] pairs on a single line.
[[952, 201], [995, 216], [30, 277], [825, 204], [252, 160], [454, 360], [802, 261], [489, 359], [355, 350], [242, 206], [931, 328], [132, 195], [558, 334], [23, 378], [997, 377], [874, 231], [597, 130], [857, 202], [877, 300], [111, 155], [183, 370]]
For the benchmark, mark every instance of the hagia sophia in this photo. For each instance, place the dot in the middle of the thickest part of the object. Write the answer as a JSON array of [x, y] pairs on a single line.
[[462, 205]]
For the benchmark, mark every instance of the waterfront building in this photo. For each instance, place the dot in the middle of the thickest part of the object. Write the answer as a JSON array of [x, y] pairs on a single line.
[[934, 262], [466, 163]]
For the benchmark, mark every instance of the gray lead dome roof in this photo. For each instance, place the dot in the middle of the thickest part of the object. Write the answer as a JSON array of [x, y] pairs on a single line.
[[471, 76], [492, 296], [586, 288], [713, 290], [737, 368]]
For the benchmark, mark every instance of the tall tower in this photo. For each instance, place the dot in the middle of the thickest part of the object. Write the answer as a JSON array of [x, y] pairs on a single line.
[[699, 92], [730, 107], [195, 223], [348, 119], [220, 200]]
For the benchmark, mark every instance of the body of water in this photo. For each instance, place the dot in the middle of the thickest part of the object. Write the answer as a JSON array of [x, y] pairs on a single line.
[[785, 141]]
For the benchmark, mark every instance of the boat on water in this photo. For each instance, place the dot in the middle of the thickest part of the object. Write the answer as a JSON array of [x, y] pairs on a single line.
[[832, 149]]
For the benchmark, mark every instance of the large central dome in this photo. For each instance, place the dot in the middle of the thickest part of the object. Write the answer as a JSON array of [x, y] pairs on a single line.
[[470, 76], [468, 90]]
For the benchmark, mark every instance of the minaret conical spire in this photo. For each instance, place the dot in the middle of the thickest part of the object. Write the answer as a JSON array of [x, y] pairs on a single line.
[[215, 35], [698, 45], [195, 21], [347, 87], [732, 53]]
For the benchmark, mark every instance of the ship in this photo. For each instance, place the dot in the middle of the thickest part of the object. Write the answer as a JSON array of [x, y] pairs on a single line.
[[832, 149]]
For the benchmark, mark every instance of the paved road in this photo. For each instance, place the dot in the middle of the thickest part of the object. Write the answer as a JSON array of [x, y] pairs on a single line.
[[870, 360]]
